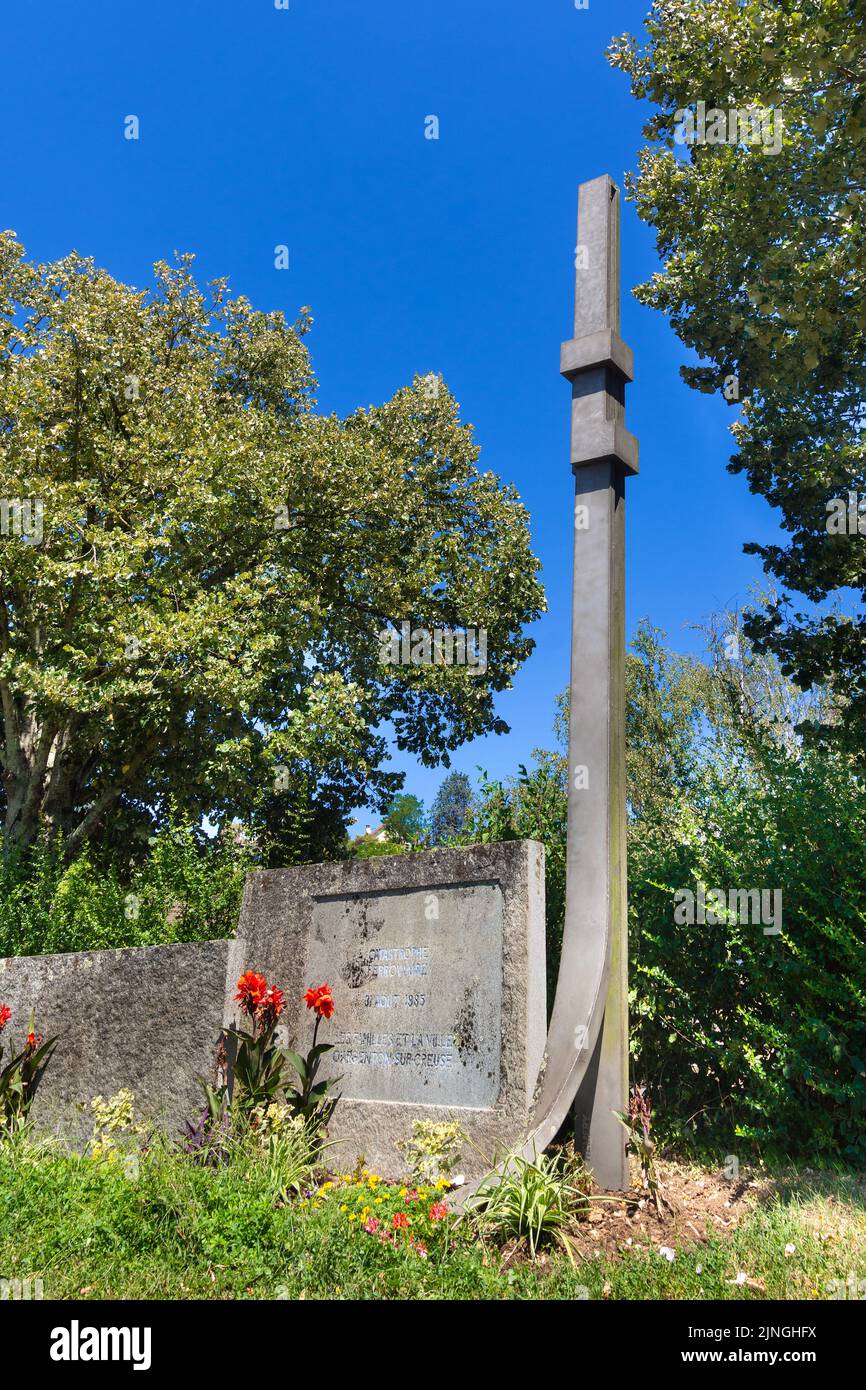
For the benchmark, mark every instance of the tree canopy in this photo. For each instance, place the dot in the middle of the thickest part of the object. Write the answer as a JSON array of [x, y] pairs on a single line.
[[200, 622], [405, 820], [451, 811], [764, 277]]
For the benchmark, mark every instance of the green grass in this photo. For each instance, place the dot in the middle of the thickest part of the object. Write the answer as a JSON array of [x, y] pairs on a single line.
[[177, 1231]]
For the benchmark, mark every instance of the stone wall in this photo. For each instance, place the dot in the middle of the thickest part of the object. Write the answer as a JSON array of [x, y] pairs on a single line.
[[146, 1018]]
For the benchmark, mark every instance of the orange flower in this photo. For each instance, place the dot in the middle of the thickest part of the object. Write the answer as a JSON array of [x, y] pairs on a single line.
[[325, 1006], [320, 999], [252, 989], [399, 1220], [438, 1211]]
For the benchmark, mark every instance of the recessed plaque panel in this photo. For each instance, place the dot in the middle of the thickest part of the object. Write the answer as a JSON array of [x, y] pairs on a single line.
[[418, 975]]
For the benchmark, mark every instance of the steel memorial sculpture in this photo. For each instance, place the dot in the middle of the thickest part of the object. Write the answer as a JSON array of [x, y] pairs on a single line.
[[586, 1062]]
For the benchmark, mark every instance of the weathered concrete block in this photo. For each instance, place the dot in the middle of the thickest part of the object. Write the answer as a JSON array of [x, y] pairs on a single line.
[[147, 1018], [437, 965]]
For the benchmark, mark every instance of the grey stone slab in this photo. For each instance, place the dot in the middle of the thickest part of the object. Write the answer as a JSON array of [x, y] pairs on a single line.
[[436, 961], [146, 1018]]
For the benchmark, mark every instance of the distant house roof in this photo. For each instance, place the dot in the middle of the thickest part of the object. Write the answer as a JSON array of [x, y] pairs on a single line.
[[371, 833]]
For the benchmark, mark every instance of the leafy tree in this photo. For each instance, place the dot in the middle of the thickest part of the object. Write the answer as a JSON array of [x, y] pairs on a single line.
[[765, 278], [202, 617], [451, 811], [405, 821]]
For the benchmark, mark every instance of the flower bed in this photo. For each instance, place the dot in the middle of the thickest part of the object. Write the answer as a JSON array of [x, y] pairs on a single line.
[[414, 1219]]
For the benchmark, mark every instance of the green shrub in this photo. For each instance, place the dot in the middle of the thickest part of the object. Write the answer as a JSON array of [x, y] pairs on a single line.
[[530, 1199], [434, 1149], [373, 849], [742, 1035], [116, 1134], [184, 890]]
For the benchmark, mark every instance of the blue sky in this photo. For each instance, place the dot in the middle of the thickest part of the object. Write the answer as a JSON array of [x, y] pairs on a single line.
[[305, 127]]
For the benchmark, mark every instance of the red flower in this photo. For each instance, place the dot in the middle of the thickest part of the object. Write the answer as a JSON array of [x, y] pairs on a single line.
[[252, 989], [33, 1041], [372, 1225], [321, 1000], [274, 999], [421, 1249], [399, 1219], [5, 1015], [269, 1007], [438, 1211]]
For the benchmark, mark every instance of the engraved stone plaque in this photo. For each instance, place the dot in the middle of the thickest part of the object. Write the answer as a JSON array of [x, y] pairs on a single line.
[[419, 976]]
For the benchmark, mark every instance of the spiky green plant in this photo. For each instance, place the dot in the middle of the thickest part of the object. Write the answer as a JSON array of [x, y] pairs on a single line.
[[532, 1199]]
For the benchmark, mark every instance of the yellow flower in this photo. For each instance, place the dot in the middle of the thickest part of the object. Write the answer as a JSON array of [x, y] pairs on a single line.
[[343, 1207], [404, 1192], [377, 1200], [353, 1216], [326, 1187]]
